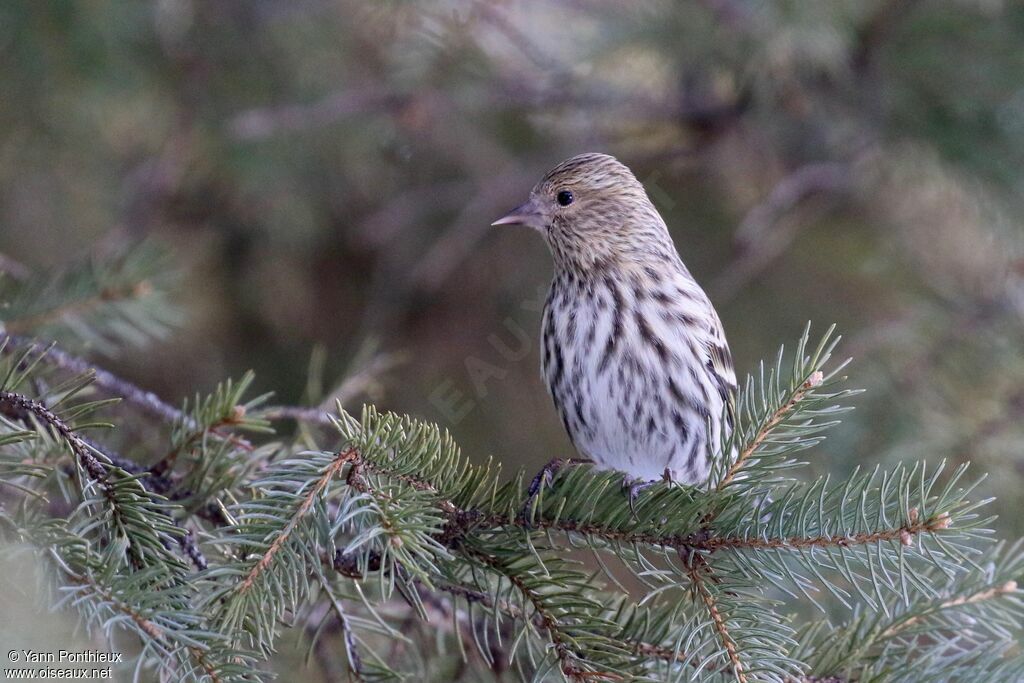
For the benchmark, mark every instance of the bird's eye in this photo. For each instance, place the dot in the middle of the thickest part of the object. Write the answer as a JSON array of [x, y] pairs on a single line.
[[564, 198]]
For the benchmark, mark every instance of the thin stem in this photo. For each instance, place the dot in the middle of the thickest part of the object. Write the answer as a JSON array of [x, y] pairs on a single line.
[[343, 458], [75, 308], [297, 413], [701, 541], [567, 658], [144, 625], [147, 401], [355, 661], [20, 407], [991, 593], [773, 421], [166, 464], [720, 626]]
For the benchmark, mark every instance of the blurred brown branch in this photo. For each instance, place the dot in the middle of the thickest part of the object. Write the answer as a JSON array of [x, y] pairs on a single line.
[[764, 235], [14, 269], [145, 400], [258, 123]]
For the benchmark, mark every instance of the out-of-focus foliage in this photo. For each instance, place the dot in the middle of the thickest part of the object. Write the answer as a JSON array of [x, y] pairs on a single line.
[[328, 170]]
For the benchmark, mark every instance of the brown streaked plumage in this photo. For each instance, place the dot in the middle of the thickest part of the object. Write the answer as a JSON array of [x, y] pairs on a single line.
[[632, 350]]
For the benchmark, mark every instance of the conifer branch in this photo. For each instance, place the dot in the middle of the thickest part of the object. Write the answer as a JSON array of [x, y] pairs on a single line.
[[903, 534], [993, 593], [147, 401], [264, 561], [569, 660], [19, 407], [73, 309], [773, 421], [144, 624], [147, 530], [160, 637], [397, 511], [120, 299], [701, 541], [514, 613], [199, 432], [695, 565]]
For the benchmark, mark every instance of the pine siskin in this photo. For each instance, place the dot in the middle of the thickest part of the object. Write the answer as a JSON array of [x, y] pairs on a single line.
[[632, 350]]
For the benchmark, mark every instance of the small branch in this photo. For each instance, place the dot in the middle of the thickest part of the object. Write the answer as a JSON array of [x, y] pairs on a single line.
[[347, 566], [205, 663], [76, 308], [262, 122], [808, 180], [297, 413], [343, 458], [144, 624], [366, 379], [566, 656], [770, 226], [147, 401], [475, 596], [191, 548], [351, 646], [992, 593], [776, 418], [702, 541], [363, 381], [166, 464], [355, 661], [903, 534], [720, 626], [19, 407], [706, 541]]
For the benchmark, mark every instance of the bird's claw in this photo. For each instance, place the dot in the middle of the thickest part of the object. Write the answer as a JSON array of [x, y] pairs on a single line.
[[633, 488], [543, 478]]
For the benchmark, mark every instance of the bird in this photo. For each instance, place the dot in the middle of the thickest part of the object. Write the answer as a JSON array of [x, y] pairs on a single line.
[[633, 352]]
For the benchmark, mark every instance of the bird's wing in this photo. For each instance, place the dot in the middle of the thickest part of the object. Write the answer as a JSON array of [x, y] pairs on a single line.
[[719, 362]]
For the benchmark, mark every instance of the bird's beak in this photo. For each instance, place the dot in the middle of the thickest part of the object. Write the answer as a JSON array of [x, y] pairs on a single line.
[[525, 214]]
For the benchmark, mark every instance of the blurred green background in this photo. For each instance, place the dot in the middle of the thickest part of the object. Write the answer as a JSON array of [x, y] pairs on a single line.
[[326, 172]]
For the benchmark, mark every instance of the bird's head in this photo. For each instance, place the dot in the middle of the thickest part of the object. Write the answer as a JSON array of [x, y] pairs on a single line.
[[594, 213]]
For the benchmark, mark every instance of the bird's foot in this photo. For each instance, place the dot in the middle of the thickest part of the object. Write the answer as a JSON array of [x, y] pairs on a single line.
[[633, 488], [543, 478]]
